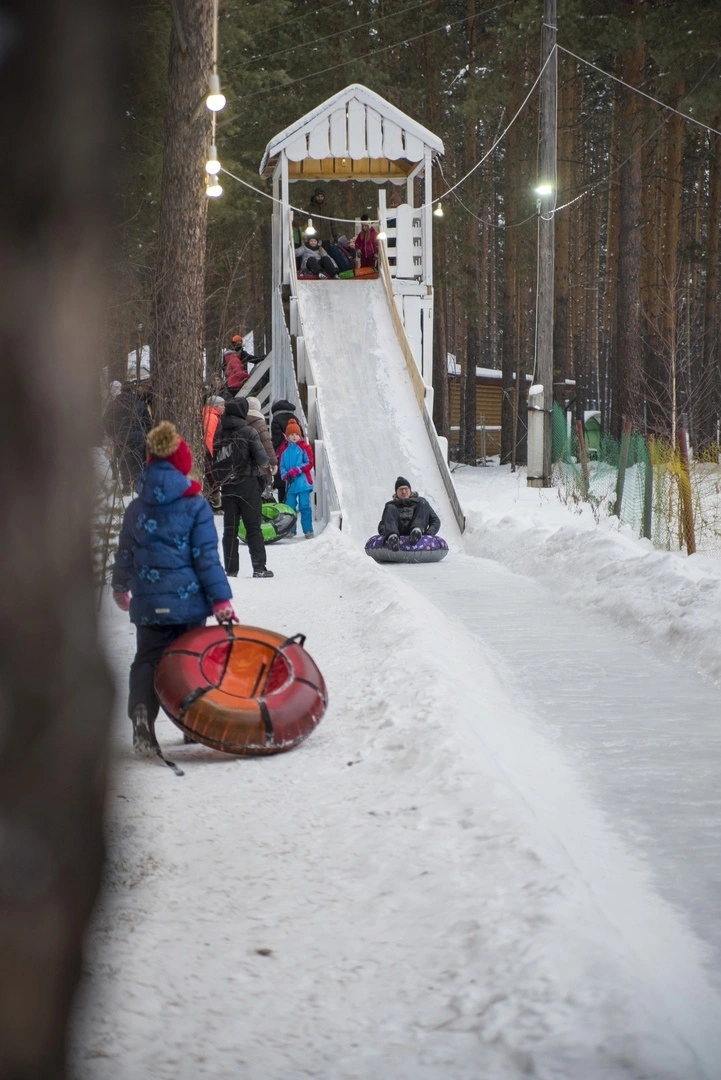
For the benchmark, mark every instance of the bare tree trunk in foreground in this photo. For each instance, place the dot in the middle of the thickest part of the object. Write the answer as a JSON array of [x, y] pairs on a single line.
[[55, 692], [180, 297]]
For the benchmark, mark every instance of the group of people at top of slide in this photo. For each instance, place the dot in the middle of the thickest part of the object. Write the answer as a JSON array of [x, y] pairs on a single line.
[[337, 256]]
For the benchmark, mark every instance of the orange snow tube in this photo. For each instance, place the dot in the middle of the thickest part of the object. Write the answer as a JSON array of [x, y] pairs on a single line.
[[241, 689]]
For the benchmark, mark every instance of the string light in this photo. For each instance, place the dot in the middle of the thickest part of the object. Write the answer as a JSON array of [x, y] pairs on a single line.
[[215, 100], [310, 231], [213, 189], [212, 165], [544, 190], [438, 212], [381, 235]]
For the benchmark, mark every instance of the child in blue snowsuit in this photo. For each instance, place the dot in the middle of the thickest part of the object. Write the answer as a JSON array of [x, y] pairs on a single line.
[[167, 571], [296, 466]]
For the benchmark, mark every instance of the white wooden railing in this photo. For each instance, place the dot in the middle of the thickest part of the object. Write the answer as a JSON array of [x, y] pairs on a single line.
[[284, 380]]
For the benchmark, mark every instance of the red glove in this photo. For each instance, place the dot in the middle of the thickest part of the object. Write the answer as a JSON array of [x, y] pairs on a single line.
[[122, 599], [223, 612], [292, 473]]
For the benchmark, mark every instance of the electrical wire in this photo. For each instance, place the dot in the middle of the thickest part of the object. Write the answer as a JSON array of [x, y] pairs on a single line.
[[482, 221], [503, 134], [364, 56], [307, 15], [297, 209], [329, 37], [635, 89], [604, 179]]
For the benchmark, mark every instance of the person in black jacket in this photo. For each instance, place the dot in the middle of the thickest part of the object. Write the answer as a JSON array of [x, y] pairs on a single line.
[[318, 208], [281, 411], [407, 514], [238, 454], [126, 422]]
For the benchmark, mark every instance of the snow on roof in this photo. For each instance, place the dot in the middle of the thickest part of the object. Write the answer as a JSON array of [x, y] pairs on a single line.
[[355, 123]]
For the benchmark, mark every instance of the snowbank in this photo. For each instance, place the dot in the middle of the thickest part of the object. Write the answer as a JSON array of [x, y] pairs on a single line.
[[666, 596]]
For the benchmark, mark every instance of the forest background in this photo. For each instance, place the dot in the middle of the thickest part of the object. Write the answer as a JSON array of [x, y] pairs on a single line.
[[636, 240]]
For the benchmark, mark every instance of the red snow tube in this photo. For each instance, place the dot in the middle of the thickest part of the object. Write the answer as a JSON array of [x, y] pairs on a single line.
[[241, 689]]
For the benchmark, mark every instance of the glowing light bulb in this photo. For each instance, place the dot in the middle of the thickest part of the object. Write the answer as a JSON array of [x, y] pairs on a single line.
[[212, 165], [215, 100], [310, 231], [544, 190], [438, 212], [381, 235], [213, 189]]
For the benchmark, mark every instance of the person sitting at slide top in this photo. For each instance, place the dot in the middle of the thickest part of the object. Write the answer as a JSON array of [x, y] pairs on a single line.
[[407, 514], [343, 255], [167, 573], [296, 468], [314, 259]]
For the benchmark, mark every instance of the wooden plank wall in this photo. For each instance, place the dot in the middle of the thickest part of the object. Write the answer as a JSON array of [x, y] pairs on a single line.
[[488, 407]]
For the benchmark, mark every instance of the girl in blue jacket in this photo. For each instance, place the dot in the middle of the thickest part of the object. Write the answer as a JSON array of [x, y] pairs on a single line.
[[167, 572], [295, 468]]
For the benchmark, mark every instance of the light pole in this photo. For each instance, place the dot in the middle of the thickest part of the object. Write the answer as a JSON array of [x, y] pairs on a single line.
[[541, 405]]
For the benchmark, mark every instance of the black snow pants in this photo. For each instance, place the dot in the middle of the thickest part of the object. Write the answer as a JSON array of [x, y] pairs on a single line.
[[244, 504], [151, 642], [322, 265]]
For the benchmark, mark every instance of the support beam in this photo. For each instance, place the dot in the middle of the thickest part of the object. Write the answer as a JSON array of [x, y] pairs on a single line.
[[539, 472]]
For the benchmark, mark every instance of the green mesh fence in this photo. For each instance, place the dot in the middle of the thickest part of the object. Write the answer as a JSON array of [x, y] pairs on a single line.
[[655, 483]]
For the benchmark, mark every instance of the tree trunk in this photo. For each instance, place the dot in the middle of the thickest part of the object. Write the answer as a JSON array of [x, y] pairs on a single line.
[[711, 352], [473, 277], [56, 692], [180, 295], [673, 205], [627, 352]]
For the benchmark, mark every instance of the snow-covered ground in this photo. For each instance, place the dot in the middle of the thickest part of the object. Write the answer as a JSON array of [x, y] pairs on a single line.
[[497, 856]]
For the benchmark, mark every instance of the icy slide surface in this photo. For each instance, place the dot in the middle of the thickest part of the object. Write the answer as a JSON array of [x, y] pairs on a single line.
[[372, 424]]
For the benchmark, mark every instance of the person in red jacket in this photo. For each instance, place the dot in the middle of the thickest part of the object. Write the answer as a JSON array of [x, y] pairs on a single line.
[[366, 243], [236, 373]]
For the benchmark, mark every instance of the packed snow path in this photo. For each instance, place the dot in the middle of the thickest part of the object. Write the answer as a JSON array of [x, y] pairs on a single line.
[[644, 734], [435, 886]]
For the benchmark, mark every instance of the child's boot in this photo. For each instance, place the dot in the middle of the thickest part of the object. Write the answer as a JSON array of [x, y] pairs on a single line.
[[144, 741]]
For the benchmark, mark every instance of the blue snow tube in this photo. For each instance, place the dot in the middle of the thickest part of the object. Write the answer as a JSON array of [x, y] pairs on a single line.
[[429, 549]]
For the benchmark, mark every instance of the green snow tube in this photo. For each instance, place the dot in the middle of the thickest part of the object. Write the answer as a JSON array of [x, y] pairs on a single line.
[[278, 522]]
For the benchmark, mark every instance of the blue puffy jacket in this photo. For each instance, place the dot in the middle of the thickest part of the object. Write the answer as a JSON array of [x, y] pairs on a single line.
[[168, 552], [294, 457]]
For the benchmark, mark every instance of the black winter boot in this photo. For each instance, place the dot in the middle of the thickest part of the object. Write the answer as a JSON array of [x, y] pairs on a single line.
[[415, 536], [393, 541], [144, 741]]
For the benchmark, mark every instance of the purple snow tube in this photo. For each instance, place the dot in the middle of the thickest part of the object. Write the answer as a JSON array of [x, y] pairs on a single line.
[[428, 549]]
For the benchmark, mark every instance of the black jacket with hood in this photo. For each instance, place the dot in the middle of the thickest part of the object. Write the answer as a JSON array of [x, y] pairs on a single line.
[[407, 514], [281, 412], [237, 450]]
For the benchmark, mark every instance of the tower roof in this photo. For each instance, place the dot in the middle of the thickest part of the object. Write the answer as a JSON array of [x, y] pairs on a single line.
[[356, 134]]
